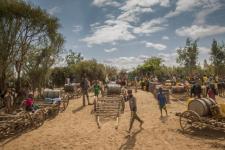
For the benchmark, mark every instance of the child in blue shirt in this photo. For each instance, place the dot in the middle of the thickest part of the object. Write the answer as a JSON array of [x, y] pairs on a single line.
[[161, 101]]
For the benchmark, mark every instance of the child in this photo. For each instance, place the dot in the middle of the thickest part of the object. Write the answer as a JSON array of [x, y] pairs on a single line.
[[29, 103], [162, 101], [124, 95], [133, 109], [96, 92], [96, 89], [212, 92]]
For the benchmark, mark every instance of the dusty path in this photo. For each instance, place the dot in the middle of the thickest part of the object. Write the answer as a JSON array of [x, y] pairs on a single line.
[[76, 129]]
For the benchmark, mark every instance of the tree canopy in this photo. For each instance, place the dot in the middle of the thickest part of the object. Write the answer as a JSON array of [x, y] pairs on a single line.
[[29, 43], [73, 58], [188, 55], [218, 57]]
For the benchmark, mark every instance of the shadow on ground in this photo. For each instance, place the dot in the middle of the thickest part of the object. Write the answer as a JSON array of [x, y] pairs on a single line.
[[205, 133], [131, 140], [78, 109]]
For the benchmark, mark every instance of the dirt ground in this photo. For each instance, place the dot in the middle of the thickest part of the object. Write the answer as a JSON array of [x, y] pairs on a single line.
[[76, 129]]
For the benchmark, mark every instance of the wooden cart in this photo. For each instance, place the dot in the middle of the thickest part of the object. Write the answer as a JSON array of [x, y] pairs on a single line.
[[13, 124], [52, 109], [108, 107], [73, 90], [191, 119]]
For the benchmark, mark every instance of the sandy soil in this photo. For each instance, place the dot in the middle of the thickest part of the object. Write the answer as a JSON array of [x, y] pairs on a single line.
[[76, 129]]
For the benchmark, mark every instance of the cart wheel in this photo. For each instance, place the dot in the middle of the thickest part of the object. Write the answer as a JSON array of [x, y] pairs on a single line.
[[38, 118], [64, 104], [188, 120], [55, 110]]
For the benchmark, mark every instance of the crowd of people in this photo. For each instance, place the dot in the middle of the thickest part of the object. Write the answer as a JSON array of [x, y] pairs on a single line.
[[204, 86], [198, 86]]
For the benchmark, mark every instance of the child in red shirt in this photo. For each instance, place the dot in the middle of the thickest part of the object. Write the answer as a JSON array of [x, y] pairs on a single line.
[[29, 103], [211, 93]]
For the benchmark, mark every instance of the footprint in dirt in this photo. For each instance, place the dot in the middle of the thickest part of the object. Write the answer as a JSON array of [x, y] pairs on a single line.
[[163, 119]]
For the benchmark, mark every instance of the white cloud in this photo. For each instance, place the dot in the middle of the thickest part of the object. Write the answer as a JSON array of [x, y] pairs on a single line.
[[131, 15], [169, 59], [152, 26], [200, 31], [157, 46], [101, 3], [131, 4], [110, 50], [126, 62], [204, 50], [165, 38], [54, 10], [74, 46], [133, 8], [189, 5], [118, 28], [110, 16], [96, 24], [182, 6], [210, 8], [77, 28], [112, 31]]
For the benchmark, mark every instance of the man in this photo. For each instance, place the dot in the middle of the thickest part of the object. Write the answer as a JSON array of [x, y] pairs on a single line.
[[161, 101], [133, 109], [84, 87], [197, 89]]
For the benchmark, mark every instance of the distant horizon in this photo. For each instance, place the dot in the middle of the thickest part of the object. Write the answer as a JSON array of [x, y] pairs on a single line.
[[125, 33]]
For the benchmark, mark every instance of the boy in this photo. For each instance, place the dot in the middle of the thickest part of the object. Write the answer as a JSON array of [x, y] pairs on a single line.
[[161, 101], [96, 89], [133, 109]]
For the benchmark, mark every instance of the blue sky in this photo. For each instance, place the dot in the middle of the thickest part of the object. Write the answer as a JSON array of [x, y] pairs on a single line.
[[124, 33]]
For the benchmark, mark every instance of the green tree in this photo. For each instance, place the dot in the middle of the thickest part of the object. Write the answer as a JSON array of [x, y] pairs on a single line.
[[73, 58], [29, 43], [151, 66], [217, 57], [111, 71], [188, 55]]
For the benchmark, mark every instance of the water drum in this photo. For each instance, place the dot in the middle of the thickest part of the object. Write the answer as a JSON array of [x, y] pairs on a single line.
[[178, 89], [154, 84], [113, 89], [48, 93], [201, 106], [168, 83], [69, 87]]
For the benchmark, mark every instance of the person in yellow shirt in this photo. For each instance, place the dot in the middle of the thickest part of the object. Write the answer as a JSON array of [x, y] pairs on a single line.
[[205, 79]]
